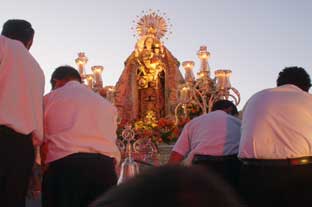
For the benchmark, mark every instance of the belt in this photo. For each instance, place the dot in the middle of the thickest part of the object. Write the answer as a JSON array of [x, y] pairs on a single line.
[[277, 162], [87, 155], [7, 130], [199, 158]]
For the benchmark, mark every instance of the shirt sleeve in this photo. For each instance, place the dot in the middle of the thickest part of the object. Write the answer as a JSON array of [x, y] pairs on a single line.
[[182, 145]]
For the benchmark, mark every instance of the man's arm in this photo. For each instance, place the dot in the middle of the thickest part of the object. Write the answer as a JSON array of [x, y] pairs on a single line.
[[175, 158], [181, 147]]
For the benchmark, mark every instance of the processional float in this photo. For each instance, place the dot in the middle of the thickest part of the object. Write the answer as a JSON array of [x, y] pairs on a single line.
[[151, 89]]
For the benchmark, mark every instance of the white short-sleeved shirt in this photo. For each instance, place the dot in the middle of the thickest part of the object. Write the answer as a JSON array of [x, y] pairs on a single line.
[[21, 90], [277, 124], [79, 120], [216, 133]]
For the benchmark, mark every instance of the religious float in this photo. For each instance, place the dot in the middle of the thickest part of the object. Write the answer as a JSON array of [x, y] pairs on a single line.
[[153, 99]]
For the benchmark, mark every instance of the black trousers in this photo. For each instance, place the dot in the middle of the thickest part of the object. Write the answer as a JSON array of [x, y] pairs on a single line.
[[16, 158], [77, 180], [227, 167], [276, 185]]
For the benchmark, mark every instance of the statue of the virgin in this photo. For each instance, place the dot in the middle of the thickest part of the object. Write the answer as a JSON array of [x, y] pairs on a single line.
[[148, 84]]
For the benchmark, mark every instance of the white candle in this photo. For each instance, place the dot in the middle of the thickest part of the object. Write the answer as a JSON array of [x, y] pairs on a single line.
[[223, 79], [89, 79], [188, 67], [97, 72], [81, 61]]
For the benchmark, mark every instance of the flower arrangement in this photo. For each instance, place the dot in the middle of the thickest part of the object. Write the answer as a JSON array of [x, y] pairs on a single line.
[[164, 130]]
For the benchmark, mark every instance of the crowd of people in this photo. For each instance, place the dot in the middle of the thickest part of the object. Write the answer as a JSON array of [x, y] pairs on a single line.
[[261, 159]]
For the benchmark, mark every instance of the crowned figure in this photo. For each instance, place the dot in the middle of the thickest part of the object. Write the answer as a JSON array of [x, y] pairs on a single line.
[[149, 81]]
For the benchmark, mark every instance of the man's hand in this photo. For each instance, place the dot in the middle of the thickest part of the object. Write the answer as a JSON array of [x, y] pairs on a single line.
[[175, 158]]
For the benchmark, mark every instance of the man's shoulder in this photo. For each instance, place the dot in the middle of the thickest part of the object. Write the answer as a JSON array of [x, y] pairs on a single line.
[[82, 93], [101, 102], [211, 116], [279, 89], [234, 119], [273, 95], [263, 92], [260, 96], [13, 50], [219, 114], [11, 43], [16, 49], [216, 114]]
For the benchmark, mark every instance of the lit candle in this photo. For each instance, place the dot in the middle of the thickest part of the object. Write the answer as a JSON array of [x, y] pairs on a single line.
[[89, 80], [203, 55], [81, 61], [110, 95], [184, 93], [188, 67], [97, 72], [223, 79]]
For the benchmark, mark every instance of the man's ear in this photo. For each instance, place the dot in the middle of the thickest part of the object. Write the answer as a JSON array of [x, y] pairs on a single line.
[[29, 44]]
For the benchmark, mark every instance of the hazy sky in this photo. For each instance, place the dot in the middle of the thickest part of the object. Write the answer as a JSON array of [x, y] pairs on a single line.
[[253, 38]]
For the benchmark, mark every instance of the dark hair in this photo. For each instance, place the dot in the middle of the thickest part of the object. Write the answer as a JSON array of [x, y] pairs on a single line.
[[225, 104], [65, 72], [296, 76], [170, 186], [18, 29]]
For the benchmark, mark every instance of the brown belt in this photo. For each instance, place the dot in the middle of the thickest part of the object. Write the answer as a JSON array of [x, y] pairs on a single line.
[[277, 162]]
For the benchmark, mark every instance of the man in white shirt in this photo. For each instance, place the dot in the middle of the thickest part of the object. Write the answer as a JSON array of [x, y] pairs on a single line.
[[80, 142], [21, 114], [212, 140], [276, 143]]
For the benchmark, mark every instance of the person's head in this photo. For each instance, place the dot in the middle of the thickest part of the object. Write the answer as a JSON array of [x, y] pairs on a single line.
[[170, 186], [225, 105], [296, 76], [20, 30], [62, 75], [148, 43]]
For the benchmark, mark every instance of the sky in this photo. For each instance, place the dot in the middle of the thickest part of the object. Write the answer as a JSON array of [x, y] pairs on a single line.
[[255, 39]]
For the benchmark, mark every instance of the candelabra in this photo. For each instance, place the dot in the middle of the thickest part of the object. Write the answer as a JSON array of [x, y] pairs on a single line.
[[136, 152], [94, 80], [204, 91], [129, 167]]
